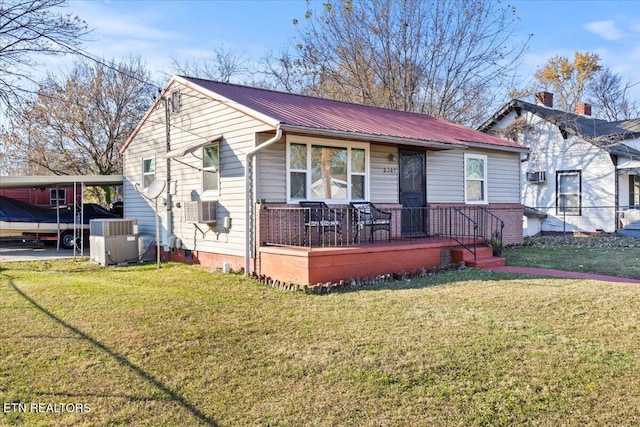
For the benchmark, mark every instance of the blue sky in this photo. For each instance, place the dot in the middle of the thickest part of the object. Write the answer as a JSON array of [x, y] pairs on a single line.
[[159, 30]]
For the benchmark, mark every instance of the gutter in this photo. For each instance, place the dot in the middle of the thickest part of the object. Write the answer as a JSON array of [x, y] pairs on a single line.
[[250, 195], [356, 136]]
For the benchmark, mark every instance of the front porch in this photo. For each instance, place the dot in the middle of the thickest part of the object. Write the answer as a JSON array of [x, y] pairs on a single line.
[[311, 266], [338, 245]]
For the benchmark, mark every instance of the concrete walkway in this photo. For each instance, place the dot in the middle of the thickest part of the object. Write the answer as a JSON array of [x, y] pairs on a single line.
[[563, 274]]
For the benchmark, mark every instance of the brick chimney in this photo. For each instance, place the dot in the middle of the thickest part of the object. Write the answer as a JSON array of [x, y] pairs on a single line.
[[545, 99], [583, 109]]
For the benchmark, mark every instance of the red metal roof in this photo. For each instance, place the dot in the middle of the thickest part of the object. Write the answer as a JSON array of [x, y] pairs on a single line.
[[318, 113]]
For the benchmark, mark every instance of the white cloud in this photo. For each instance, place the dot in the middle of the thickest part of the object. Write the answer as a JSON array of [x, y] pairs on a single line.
[[605, 29]]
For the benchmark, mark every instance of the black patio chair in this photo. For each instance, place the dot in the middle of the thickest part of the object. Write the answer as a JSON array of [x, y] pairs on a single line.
[[367, 215], [319, 216]]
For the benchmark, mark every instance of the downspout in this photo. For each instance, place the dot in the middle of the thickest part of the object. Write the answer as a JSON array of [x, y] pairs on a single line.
[[169, 207], [250, 194]]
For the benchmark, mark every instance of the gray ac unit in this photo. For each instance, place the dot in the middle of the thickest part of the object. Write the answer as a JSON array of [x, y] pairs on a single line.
[[113, 241], [200, 211], [537, 177]]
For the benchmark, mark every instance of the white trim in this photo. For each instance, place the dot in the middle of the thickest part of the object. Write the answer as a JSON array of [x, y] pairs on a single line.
[[155, 169], [310, 142], [216, 192], [485, 186]]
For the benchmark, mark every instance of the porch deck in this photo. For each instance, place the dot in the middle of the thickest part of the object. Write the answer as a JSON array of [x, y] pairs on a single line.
[[325, 245], [311, 266]]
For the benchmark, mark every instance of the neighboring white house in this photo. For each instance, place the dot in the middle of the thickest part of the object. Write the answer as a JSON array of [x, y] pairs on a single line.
[[582, 172], [229, 152]]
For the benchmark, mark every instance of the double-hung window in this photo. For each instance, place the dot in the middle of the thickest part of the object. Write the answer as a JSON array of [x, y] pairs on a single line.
[[568, 192], [328, 172], [211, 168], [475, 179], [148, 171]]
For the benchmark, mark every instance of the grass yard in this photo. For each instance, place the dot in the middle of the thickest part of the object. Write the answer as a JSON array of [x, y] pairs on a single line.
[[182, 346], [606, 254]]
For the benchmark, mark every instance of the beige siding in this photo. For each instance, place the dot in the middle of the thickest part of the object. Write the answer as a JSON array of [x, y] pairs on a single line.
[[200, 119], [272, 173], [384, 174], [503, 171], [445, 176]]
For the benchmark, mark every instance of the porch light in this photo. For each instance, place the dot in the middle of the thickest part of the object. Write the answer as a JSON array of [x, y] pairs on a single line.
[[393, 157]]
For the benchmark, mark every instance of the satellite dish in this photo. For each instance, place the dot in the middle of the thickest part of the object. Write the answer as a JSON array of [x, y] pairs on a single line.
[[154, 189]]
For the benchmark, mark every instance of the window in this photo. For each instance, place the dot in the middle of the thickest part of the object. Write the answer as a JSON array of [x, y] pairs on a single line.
[[568, 191], [148, 171], [175, 102], [57, 197], [210, 168], [634, 191], [327, 172], [475, 179]]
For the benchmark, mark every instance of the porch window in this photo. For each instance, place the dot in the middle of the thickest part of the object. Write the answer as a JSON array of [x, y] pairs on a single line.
[[568, 191], [475, 179], [57, 196], [148, 171], [328, 172], [211, 168]]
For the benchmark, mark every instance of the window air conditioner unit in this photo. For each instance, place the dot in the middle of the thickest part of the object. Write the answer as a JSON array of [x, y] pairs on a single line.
[[199, 211], [113, 241], [537, 177]]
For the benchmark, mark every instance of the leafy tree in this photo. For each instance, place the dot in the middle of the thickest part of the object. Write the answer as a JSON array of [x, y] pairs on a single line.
[[583, 79], [569, 80], [29, 28], [78, 121], [447, 58]]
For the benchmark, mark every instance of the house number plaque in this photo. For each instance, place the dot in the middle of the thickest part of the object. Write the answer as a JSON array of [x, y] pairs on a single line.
[[389, 170]]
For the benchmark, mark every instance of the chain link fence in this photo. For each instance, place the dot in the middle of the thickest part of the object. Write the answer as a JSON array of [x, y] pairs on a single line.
[[592, 219]]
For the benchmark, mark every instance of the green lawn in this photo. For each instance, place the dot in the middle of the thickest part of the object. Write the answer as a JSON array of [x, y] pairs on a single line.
[[609, 255], [182, 346]]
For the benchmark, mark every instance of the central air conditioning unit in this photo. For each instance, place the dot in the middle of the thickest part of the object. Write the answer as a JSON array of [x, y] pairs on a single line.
[[113, 241], [537, 177], [199, 211]]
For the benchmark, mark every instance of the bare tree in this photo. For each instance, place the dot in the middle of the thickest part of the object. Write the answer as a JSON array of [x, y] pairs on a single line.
[[78, 122], [224, 65], [29, 28], [611, 99], [447, 58]]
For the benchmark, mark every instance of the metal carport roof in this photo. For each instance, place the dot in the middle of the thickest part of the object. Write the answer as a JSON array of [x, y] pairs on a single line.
[[34, 181]]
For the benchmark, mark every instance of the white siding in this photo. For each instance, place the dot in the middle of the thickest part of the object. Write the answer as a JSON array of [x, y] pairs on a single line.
[[551, 153], [200, 119]]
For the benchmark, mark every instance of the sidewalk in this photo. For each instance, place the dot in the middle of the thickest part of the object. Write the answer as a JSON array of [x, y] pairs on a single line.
[[563, 274]]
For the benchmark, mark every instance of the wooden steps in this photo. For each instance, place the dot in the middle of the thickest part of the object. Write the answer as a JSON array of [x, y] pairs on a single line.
[[484, 257]]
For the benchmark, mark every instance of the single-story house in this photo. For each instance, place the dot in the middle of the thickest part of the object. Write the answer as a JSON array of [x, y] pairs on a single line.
[[582, 173], [238, 161]]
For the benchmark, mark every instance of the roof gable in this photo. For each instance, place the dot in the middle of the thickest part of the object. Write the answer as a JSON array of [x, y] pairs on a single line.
[[601, 133], [584, 126]]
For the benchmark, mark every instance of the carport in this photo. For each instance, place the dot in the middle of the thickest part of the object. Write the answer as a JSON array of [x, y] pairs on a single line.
[[59, 181]]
